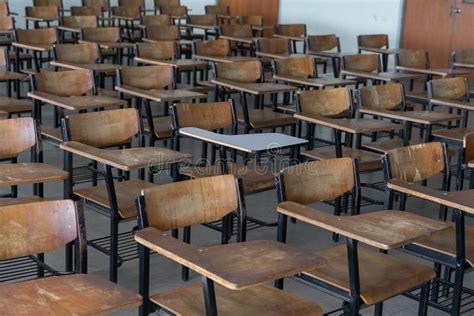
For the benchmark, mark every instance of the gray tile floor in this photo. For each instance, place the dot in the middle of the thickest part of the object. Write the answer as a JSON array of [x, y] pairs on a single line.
[[166, 274]]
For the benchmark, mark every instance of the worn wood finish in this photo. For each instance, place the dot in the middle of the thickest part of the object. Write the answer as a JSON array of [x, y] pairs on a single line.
[[166, 3], [468, 144], [79, 22], [463, 56], [101, 34], [4, 10], [105, 128], [95, 11], [257, 300], [44, 36], [208, 116], [84, 53], [66, 295], [442, 72], [77, 103], [162, 126], [449, 88], [64, 83], [125, 191], [10, 106], [373, 41], [254, 88], [273, 45], [217, 47], [254, 20], [420, 117], [39, 227], [7, 24], [382, 229], [383, 146], [389, 76], [236, 266], [320, 82], [174, 11], [193, 202], [162, 50], [240, 72], [163, 33], [148, 77], [318, 181], [221, 10], [416, 58], [290, 30], [130, 12], [297, 67], [327, 102], [29, 173], [266, 118], [127, 159], [47, 3], [237, 30], [156, 20], [362, 62], [161, 95], [368, 161], [223, 59], [19, 134], [319, 43], [389, 96], [202, 19], [417, 162], [105, 4], [20, 200], [47, 13], [381, 276]]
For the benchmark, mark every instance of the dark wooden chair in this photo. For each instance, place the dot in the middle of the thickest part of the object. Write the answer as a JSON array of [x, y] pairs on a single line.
[[164, 208], [239, 31], [207, 22], [221, 11], [74, 24], [363, 63], [317, 44], [128, 18], [356, 275], [294, 32], [156, 20], [39, 227], [109, 41]]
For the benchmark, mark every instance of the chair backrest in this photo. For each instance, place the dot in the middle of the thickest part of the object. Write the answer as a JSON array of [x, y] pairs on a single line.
[[37, 36], [320, 43], [362, 62], [388, 97], [87, 11], [463, 56], [192, 202], [415, 163], [373, 40], [236, 30], [4, 9], [273, 45], [256, 20], [31, 228], [455, 88], [157, 77], [161, 50], [4, 61], [326, 102], [202, 19], [84, 53], [174, 10], [101, 34], [163, 33], [219, 47], [7, 23], [48, 3], [167, 3], [19, 134], [209, 116], [127, 11], [417, 58], [132, 3], [242, 71], [64, 83], [217, 9], [302, 67], [45, 13], [156, 20], [102, 129], [294, 30], [317, 181], [80, 21], [104, 4], [468, 144]]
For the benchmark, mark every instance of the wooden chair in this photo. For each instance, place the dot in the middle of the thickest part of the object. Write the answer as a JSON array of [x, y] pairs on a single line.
[[294, 32], [156, 20], [39, 41], [163, 32], [317, 44], [74, 25], [221, 11], [110, 42], [128, 17], [465, 156], [178, 14], [461, 58], [404, 169], [46, 226], [114, 199], [361, 62], [12, 106], [256, 21], [239, 31], [207, 22], [4, 9], [41, 14], [277, 46], [377, 41], [96, 11], [357, 275], [167, 3], [7, 28], [415, 58], [157, 208], [260, 118]]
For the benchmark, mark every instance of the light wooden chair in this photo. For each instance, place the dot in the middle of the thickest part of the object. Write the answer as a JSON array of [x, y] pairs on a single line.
[[240, 31], [37, 41], [128, 18], [315, 44], [294, 32], [361, 62], [156, 20], [41, 14]]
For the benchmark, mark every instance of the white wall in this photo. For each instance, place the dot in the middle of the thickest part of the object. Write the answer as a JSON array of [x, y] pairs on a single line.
[[346, 18]]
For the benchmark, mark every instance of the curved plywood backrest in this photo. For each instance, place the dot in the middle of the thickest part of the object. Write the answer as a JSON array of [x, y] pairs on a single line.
[[84, 53], [273, 45], [202, 19], [104, 4], [7, 23], [167, 3], [157, 50], [44, 36], [464, 56], [64, 83], [163, 33], [103, 129], [362, 62], [87, 11], [127, 11], [388, 96], [4, 11], [219, 47], [45, 13], [417, 58], [256, 20], [454, 88], [301, 67], [294, 30], [132, 3], [236, 30], [80, 21], [327, 102], [47, 3], [18, 135], [242, 71], [416, 162], [191, 202], [208, 116], [102, 34], [156, 20], [319, 43], [148, 77], [468, 145], [217, 9], [28, 229], [318, 181], [174, 10], [373, 40]]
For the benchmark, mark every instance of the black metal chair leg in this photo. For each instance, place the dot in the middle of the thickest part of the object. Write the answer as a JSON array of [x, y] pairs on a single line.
[[425, 293]]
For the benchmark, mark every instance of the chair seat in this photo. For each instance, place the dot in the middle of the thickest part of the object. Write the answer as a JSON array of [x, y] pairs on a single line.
[[266, 118], [54, 134], [10, 75], [452, 134], [20, 200], [12, 105], [199, 89], [252, 180], [381, 276], [78, 294], [368, 161], [126, 192], [112, 94], [257, 300], [384, 145], [162, 125], [445, 242], [29, 173]]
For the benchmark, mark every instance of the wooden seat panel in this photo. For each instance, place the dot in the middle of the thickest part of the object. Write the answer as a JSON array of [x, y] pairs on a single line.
[[384, 145], [266, 118], [20, 200], [258, 300], [12, 105], [29, 173], [53, 134], [66, 295], [368, 161], [162, 126], [381, 276], [126, 192], [453, 134]]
